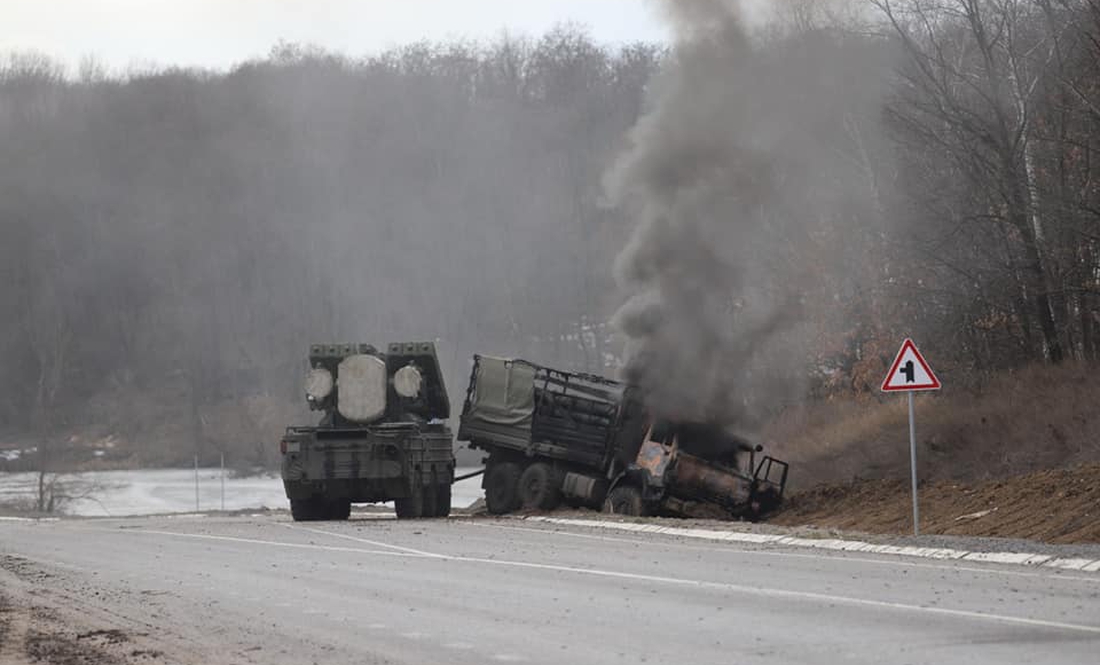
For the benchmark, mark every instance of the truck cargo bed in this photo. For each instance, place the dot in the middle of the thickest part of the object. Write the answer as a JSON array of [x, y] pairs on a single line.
[[528, 408]]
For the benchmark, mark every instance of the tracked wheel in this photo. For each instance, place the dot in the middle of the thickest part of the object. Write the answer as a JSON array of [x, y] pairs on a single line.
[[412, 506], [307, 510], [431, 496], [443, 500], [339, 509]]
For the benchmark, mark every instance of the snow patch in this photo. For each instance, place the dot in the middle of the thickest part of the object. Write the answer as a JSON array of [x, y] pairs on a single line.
[[171, 491]]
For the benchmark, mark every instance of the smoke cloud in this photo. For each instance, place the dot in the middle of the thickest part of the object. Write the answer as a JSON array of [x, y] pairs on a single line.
[[743, 150]]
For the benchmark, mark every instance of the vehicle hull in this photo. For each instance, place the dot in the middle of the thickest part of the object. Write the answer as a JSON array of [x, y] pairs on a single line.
[[365, 465]]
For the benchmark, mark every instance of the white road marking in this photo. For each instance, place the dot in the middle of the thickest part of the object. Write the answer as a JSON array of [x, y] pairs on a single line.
[[1019, 558], [462, 646], [1050, 575], [275, 543], [659, 579], [376, 543], [783, 593], [1023, 558], [1071, 564]]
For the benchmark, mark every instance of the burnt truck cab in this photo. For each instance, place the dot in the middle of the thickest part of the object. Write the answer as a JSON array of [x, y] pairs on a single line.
[[382, 435], [678, 464]]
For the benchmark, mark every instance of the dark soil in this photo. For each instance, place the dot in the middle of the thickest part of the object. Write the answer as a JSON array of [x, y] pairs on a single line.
[[1054, 506]]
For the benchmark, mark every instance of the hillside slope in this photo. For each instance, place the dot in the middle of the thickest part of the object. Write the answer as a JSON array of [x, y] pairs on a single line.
[[1056, 506]]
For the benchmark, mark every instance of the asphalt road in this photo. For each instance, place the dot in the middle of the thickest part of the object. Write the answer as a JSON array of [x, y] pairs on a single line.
[[263, 589]]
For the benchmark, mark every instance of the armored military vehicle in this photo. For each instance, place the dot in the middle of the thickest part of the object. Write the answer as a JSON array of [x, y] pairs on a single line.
[[554, 436], [382, 435]]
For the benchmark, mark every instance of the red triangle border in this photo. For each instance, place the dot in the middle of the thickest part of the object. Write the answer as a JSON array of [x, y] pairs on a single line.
[[908, 344]]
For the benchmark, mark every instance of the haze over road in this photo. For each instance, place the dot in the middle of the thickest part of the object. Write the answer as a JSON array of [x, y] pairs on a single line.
[[264, 589]]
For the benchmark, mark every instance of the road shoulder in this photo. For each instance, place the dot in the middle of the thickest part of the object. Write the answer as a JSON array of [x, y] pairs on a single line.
[[44, 619], [1077, 559]]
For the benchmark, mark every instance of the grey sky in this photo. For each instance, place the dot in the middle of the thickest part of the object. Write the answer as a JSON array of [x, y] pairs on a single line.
[[218, 33]]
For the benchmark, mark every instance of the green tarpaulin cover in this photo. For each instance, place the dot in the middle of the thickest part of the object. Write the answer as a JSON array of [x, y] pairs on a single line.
[[504, 393]]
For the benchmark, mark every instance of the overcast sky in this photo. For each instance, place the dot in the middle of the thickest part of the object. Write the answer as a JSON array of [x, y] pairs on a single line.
[[219, 33]]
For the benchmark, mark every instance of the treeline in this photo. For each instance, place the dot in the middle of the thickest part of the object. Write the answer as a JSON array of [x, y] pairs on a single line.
[[996, 114], [179, 237], [984, 238]]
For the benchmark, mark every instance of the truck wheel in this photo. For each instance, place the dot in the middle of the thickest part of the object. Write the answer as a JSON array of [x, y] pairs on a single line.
[[307, 510], [412, 506], [765, 502], [625, 500], [501, 481], [539, 487]]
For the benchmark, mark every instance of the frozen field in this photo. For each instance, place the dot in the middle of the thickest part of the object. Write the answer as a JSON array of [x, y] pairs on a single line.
[[153, 491]]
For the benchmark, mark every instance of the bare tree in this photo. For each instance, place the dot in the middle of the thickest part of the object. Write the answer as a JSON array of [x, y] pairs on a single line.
[[976, 88]]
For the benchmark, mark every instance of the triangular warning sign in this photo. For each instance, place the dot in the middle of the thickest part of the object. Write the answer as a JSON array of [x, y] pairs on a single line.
[[910, 371]]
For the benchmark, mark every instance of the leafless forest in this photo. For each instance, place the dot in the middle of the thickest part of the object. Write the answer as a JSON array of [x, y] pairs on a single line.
[[171, 241]]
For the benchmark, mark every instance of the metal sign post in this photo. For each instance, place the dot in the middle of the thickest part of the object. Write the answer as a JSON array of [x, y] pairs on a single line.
[[196, 483], [913, 465], [223, 482], [910, 373]]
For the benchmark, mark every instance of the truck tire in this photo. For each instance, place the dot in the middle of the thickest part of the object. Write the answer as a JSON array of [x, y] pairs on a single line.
[[539, 487], [625, 500], [412, 506], [501, 482], [307, 510]]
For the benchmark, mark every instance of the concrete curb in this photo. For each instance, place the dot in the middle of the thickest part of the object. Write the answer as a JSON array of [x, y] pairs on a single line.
[[1017, 558]]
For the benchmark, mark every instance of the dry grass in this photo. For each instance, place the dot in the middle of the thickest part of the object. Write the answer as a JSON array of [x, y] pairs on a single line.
[[1036, 418]]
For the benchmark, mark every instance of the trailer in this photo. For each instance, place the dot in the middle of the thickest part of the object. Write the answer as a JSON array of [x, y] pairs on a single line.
[[553, 437]]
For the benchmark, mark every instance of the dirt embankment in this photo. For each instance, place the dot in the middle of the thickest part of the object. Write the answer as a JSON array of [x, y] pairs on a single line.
[[1013, 424], [1016, 455], [1055, 506]]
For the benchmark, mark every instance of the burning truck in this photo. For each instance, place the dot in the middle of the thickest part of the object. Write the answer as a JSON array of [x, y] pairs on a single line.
[[556, 437]]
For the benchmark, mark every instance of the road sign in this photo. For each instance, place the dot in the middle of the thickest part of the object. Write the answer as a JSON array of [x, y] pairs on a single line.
[[910, 371]]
